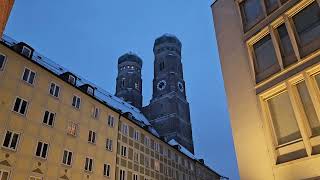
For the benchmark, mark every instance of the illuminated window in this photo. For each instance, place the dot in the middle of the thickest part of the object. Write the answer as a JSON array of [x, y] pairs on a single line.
[[72, 128], [11, 140], [28, 76]]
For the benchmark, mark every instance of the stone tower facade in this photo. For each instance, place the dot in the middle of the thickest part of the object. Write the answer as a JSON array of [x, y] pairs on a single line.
[[129, 82], [168, 110]]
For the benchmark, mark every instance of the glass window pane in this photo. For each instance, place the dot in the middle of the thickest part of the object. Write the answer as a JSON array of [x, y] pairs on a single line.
[[7, 139], [309, 108], [251, 13], [14, 141], [17, 105], [317, 77], [283, 118], [271, 5], [38, 152], [307, 24], [265, 56], [26, 74], [287, 52]]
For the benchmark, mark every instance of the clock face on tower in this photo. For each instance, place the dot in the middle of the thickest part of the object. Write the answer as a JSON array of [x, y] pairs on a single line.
[[180, 87], [161, 85]]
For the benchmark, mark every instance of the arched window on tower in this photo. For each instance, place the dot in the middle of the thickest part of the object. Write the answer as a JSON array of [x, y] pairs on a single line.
[[161, 66], [123, 82]]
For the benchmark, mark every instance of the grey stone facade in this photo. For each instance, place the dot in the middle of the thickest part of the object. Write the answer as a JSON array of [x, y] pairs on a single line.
[[168, 110]]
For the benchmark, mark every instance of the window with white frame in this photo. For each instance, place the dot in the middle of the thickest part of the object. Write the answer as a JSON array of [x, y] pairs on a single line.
[[110, 121], [54, 90], [72, 128], [72, 80], [107, 170], [92, 137], [67, 157], [28, 76], [136, 135], [109, 144], [136, 156], [42, 149], [90, 90], [48, 118], [26, 51], [147, 141], [76, 100], [135, 177], [122, 175], [20, 106], [2, 61], [124, 128], [88, 164], [95, 112], [11, 140], [4, 174], [157, 147], [123, 151], [35, 178]]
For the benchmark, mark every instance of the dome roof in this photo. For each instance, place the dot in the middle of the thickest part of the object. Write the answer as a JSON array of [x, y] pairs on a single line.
[[131, 57], [167, 38]]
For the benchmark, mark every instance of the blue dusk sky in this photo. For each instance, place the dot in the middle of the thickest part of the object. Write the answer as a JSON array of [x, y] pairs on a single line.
[[88, 36]]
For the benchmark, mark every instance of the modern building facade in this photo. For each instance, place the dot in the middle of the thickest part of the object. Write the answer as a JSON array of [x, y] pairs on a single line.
[[269, 53], [5, 9], [56, 125]]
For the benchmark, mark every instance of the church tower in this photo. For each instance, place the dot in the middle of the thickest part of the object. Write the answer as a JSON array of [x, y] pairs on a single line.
[[169, 111], [129, 82]]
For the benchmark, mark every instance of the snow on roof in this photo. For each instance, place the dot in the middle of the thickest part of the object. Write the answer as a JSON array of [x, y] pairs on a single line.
[[182, 149]]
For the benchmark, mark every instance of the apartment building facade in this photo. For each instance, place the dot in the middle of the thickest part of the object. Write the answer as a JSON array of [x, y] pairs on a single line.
[[269, 54]]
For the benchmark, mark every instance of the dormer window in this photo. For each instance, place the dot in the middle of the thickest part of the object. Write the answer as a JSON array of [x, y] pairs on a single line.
[[26, 51], [72, 80], [90, 90]]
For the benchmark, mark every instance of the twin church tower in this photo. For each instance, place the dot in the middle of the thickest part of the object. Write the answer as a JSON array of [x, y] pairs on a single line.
[[168, 110]]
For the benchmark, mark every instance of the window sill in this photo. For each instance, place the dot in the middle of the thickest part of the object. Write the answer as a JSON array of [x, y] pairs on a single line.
[[8, 149]]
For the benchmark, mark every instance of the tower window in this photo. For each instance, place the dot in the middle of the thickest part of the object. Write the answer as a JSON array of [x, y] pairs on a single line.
[[123, 82], [161, 65]]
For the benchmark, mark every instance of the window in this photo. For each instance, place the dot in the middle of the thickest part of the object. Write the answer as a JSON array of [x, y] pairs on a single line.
[[90, 91], [266, 62], [136, 135], [48, 118], [11, 140], [54, 90], [28, 76], [123, 82], [147, 161], [156, 165], [95, 112], [92, 137], [271, 5], [72, 80], [136, 156], [135, 177], [283, 118], [20, 106], [67, 158], [2, 61], [26, 51], [106, 170], [4, 175], [124, 151], [157, 147], [72, 128], [124, 128], [35, 178], [307, 25], [88, 164], [288, 56], [110, 121], [136, 85], [42, 150], [147, 141], [251, 12], [109, 144], [161, 66], [122, 175], [308, 108], [76, 102]]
